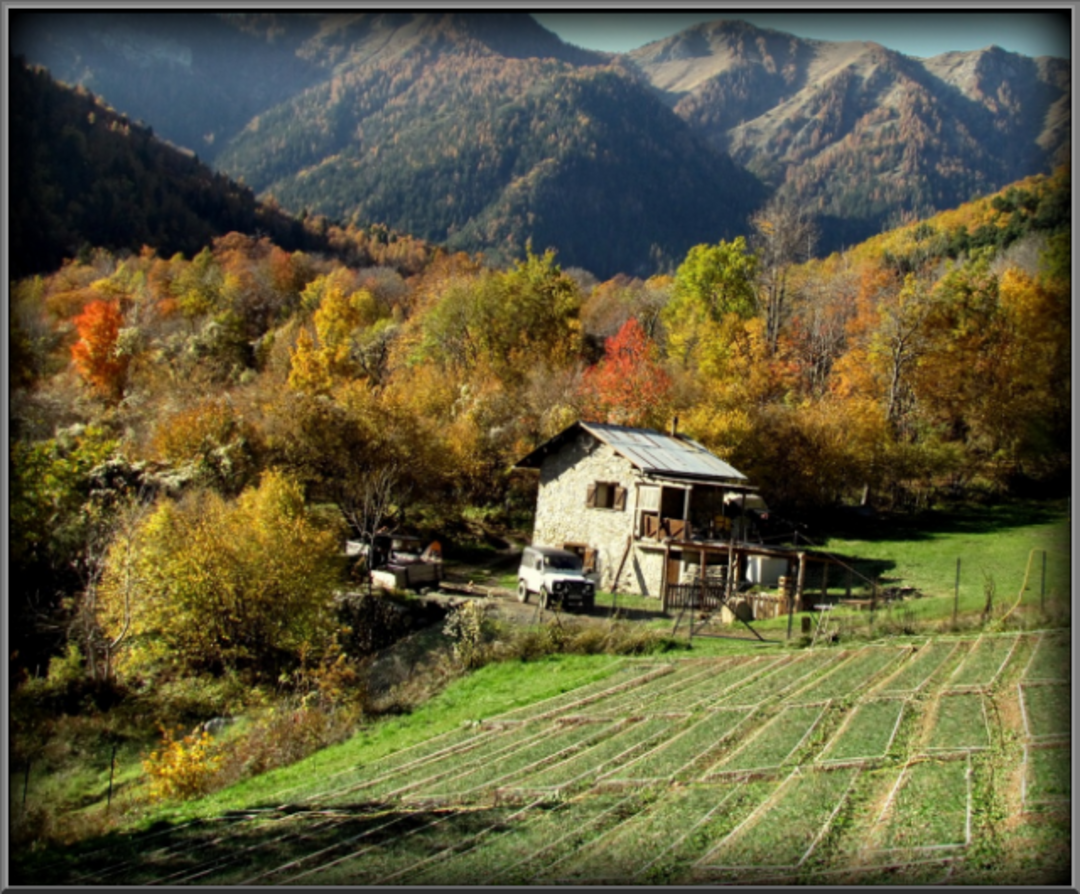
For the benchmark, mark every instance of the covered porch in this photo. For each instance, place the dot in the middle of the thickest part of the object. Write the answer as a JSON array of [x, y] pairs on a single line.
[[705, 575], [689, 509]]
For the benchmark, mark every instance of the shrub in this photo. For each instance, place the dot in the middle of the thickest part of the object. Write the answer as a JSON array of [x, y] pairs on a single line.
[[470, 629], [182, 768], [283, 737]]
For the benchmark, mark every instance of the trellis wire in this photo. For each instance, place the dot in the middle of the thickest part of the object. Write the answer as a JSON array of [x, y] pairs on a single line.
[[493, 784], [596, 819], [598, 771], [191, 873], [962, 749], [630, 694], [642, 677], [970, 687], [468, 743], [928, 847], [750, 712], [813, 844], [766, 804], [1024, 800], [678, 841], [711, 775], [904, 703], [469, 843]]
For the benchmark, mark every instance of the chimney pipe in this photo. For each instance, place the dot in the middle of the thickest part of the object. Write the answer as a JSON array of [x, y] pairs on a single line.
[[674, 426]]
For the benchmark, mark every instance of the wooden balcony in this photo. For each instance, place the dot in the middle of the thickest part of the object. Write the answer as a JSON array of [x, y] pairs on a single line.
[[661, 529]]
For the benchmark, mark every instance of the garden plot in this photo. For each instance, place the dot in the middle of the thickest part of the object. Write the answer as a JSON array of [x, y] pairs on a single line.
[[848, 677], [960, 724], [920, 668], [1047, 709], [725, 680], [983, 663], [784, 831], [666, 760], [1047, 775], [772, 745], [196, 851], [429, 771], [620, 747], [778, 680], [478, 777], [320, 844], [430, 834], [501, 852], [437, 749], [917, 872], [928, 810], [629, 702], [1051, 659], [621, 679], [626, 851], [866, 734]]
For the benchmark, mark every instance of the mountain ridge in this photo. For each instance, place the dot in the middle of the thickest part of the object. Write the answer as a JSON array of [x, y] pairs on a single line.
[[416, 120]]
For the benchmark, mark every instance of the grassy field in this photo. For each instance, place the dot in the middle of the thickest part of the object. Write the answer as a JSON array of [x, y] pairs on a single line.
[[517, 772], [792, 788]]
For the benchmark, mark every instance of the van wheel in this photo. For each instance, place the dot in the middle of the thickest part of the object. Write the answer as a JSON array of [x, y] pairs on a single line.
[[523, 592]]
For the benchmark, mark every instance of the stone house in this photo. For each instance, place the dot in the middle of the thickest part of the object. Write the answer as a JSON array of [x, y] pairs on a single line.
[[635, 503]]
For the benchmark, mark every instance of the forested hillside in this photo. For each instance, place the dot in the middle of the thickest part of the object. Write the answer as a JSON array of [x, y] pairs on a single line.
[[485, 132]]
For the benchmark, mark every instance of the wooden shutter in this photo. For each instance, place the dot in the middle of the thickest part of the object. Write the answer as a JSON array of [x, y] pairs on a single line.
[[620, 498], [589, 562], [590, 496]]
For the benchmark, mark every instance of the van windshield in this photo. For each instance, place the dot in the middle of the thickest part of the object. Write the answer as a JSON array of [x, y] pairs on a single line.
[[563, 563]]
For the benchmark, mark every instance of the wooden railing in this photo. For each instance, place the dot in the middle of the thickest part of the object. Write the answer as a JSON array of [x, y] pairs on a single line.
[[711, 597], [666, 528]]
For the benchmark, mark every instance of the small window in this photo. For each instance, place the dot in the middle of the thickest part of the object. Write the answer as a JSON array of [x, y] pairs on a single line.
[[605, 495], [585, 553]]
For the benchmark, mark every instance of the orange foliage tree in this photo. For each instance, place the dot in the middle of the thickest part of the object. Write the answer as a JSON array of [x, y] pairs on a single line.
[[629, 386], [95, 353]]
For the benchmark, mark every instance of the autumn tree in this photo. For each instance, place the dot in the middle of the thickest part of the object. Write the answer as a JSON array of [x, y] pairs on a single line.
[[95, 354], [629, 386], [714, 288], [346, 342], [783, 235], [507, 319], [208, 584]]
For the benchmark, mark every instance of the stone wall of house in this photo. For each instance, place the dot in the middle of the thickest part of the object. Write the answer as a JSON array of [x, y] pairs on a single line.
[[562, 515], [645, 570]]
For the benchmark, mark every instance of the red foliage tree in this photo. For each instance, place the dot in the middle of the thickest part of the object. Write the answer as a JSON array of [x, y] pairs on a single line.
[[629, 386], [95, 353]]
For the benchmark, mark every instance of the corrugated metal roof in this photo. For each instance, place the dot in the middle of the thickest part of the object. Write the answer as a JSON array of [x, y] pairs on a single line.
[[660, 454]]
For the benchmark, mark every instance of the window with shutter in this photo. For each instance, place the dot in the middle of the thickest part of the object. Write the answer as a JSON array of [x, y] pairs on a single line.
[[605, 495], [589, 563]]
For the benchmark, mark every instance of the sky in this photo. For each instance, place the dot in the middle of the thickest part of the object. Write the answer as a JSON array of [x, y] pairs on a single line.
[[913, 32]]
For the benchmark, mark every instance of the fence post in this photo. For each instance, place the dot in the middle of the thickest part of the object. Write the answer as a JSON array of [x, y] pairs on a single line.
[[112, 773], [956, 594], [1042, 586], [790, 609]]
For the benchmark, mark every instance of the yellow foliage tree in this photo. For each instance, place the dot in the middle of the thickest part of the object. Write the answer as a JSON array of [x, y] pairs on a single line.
[[211, 584]]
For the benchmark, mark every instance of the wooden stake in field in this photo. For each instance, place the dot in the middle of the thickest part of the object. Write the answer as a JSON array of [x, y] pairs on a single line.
[[956, 593], [112, 773], [1042, 586]]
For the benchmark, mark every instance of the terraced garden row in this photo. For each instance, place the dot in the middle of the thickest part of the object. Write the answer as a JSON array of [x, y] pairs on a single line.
[[902, 763]]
